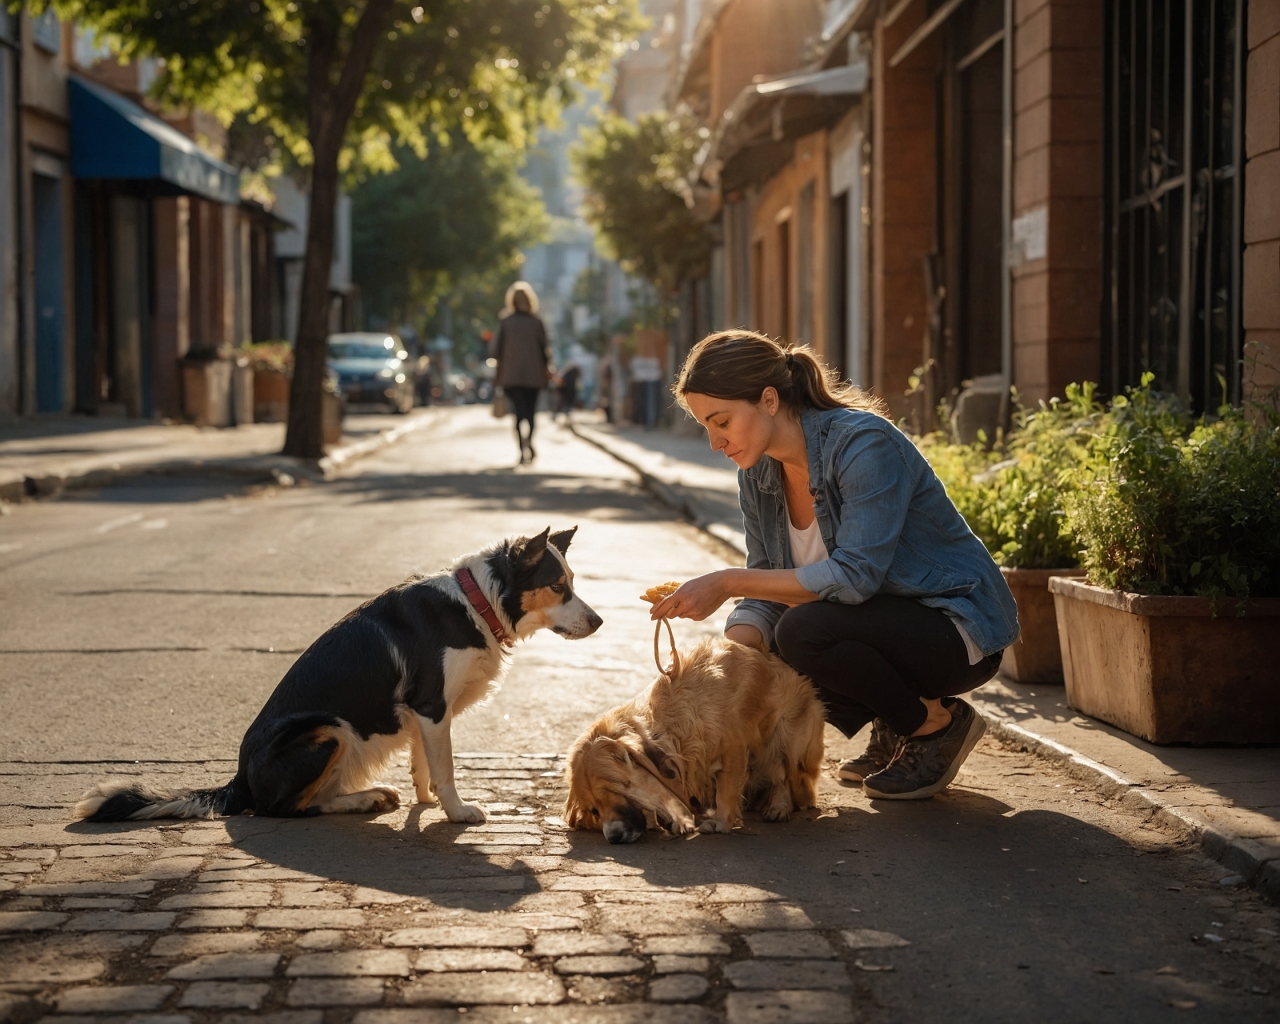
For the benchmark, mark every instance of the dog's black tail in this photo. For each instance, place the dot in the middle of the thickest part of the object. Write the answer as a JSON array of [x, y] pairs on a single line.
[[136, 801]]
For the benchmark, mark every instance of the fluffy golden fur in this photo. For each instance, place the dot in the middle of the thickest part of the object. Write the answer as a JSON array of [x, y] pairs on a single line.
[[732, 724]]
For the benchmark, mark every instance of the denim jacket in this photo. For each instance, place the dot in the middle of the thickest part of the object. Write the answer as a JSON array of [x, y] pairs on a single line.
[[888, 525]]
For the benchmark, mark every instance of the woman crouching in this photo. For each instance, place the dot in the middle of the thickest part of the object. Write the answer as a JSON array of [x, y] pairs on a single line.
[[860, 572]]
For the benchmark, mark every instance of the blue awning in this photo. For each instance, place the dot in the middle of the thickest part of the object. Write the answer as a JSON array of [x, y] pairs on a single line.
[[114, 138]]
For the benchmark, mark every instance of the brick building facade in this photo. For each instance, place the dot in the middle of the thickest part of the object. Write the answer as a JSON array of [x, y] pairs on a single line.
[[1047, 191], [1261, 270]]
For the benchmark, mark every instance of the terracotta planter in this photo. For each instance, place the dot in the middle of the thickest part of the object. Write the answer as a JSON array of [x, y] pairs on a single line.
[[1167, 669], [1035, 656], [270, 396]]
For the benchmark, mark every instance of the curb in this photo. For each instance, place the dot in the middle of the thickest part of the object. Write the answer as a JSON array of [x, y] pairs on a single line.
[[282, 469], [1252, 863], [670, 496], [1256, 864], [345, 455]]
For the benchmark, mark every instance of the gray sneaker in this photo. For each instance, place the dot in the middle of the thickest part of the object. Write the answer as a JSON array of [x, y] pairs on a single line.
[[880, 750], [927, 765]]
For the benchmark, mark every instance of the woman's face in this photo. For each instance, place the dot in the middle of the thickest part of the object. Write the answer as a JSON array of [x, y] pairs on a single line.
[[739, 430]]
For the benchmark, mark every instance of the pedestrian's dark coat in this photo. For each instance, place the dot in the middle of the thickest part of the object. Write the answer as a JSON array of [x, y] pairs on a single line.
[[521, 351]]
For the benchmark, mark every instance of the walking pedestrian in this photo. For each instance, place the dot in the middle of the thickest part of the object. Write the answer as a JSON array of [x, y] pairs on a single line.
[[567, 390], [605, 387], [860, 572], [646, 377], [524, 361]]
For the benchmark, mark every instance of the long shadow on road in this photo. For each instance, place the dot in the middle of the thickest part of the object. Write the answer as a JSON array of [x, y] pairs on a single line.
[[504, 490]]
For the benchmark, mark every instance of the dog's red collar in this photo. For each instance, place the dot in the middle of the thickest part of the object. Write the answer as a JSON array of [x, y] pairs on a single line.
[[483, 608]]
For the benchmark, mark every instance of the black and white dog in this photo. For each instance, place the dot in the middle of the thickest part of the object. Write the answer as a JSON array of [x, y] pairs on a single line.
[[395, 671]]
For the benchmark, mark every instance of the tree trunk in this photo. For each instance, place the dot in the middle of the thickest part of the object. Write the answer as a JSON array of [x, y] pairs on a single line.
[[305, 436], [329, 108]]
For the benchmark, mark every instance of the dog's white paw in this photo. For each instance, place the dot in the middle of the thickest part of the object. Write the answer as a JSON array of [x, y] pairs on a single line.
[[713, 825], [383, 799], [467, 814]]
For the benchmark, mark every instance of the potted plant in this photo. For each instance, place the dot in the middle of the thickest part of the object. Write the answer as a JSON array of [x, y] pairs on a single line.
[[272, 363], [1173, 636], [1012, 497]]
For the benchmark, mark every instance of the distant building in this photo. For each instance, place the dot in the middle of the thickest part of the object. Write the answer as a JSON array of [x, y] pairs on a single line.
[[553, 267], [292, 206]]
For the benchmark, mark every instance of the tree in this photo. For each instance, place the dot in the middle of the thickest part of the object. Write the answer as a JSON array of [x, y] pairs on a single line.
[[445, 230], [634, 175], [340, 83]]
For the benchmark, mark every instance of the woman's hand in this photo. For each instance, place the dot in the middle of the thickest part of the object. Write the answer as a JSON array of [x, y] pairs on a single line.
[[696, 599]]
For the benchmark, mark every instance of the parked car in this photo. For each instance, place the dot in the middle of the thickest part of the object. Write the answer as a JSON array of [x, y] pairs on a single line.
[[372, 367]]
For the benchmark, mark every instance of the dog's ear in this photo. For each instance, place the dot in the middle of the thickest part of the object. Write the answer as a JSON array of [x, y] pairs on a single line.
[[529, 550], [560, 541], [661, 759]]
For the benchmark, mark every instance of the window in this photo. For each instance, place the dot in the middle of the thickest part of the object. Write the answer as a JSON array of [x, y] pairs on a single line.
[[46, 31], [784, 279], [1172, 203], [757, 284], [805, 262]]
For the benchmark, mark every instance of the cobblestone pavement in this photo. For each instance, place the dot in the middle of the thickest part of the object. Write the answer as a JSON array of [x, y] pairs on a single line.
[[1017, 895]]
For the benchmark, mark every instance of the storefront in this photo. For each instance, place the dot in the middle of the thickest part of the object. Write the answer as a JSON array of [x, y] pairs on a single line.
[[157, 235]]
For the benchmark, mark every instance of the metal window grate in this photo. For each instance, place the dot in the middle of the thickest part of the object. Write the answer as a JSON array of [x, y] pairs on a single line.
[[1173, 197]]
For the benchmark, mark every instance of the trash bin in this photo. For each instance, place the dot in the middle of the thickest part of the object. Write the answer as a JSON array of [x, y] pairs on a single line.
[[206, 391]]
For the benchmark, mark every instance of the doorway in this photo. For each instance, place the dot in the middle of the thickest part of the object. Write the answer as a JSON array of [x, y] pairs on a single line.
[[970, 148], [50, 298], [130, 348]]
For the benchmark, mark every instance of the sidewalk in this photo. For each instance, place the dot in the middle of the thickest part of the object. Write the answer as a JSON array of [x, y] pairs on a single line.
[[42, 456], [682, 471], [1226, 799]]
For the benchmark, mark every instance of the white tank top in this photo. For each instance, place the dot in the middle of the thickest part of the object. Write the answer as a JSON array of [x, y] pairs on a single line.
[[806, 545]]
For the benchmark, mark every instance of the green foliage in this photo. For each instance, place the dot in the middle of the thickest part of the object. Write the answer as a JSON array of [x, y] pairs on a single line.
[[1168, 505], [493, 68], [1013, 496], [445, 227], [634, 176], [1143, 495], [266, 356], [965, 472]]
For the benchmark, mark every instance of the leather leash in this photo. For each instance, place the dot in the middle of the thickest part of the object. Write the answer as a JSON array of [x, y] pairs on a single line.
[[674, 670]]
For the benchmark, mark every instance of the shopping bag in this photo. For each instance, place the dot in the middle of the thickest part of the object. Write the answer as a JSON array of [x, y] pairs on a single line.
[[499, 403]]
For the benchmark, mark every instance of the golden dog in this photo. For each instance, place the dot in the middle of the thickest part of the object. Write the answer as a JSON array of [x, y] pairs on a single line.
[[728, 724]]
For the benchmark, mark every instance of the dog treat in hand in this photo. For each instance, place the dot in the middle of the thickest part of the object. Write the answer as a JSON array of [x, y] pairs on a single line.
[[663, 590]]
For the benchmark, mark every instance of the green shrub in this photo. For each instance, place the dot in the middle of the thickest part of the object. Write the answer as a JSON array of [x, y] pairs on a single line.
[[1013, 496], [1169, 505], [960, 467], [268, 355], [1143, 495]]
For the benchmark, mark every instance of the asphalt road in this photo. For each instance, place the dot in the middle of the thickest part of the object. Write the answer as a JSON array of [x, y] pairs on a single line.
[[142, 626]]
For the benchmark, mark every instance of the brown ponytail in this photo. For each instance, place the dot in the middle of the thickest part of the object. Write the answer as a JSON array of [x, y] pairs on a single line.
[[738, 365]]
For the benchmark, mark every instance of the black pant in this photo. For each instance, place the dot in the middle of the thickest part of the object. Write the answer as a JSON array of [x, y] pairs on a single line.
[[878, 658], [524, 402]]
